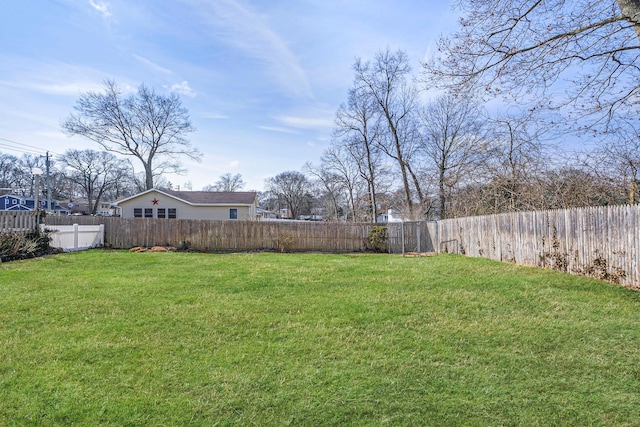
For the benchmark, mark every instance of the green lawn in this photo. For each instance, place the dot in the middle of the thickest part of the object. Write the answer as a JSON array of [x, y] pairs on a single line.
[[118, 338]]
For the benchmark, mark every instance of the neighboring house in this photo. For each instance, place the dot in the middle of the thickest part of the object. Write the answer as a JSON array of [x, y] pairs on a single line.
[[106, 209], [169, 204], [78, 207], [10, 202], [266, 214], [390, 216]]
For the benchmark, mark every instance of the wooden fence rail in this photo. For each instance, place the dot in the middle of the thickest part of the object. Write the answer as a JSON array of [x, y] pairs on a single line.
[[18, 221]]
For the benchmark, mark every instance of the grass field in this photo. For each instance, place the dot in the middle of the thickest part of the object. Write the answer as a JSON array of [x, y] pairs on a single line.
[[132, 339]]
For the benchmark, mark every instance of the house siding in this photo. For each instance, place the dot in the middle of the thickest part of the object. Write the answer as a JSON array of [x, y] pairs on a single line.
[[185, 210]]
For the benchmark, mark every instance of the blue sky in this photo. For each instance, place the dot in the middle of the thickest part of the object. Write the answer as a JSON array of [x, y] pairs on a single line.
[[262, 80]]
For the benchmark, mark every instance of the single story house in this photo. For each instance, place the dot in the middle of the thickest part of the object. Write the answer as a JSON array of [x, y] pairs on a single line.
[[169, 204]]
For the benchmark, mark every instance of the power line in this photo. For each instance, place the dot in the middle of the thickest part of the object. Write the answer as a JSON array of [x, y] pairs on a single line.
[[19, 150], [30, 149]]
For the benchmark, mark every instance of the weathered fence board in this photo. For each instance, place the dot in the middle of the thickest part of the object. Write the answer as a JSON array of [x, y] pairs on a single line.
[[18, 221], [412, 237], [602, 242]]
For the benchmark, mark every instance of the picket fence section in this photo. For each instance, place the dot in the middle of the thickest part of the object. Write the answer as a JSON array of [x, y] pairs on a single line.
[[601, 242], [18, 221]]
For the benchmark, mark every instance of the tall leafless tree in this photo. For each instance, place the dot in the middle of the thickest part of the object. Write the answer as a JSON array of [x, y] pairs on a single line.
[[525, 48], [619, 159], [94, 172], [387, 82], [330, 188], [357, 143], [518, 156], [292, 190], [227, 182], [10, 173], [454, 142], [145, 125]]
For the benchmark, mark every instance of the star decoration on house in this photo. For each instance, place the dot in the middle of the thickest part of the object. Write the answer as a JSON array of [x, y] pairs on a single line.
[[155, 201]]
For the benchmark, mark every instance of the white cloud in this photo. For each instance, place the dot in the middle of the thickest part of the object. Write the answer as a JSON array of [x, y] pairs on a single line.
[[52, 86], [183, 89], [101, 7], [214, 116], [306, 122], [58, 78], [278, 129], [242, 27], [152, 64]]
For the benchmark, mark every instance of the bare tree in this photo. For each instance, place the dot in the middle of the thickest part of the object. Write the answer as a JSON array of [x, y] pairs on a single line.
[[574, 186], [227, 182], [357, 143], [619, 159], [386, 82], [454, 141], [330, 187], [147, 126], [518, 155], [10, 174], [292, 190], [94, 172], [25, 180], [526, 47]]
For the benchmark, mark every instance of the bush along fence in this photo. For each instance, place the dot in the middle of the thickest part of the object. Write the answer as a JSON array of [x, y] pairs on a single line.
[[20, 237], [601, 242]]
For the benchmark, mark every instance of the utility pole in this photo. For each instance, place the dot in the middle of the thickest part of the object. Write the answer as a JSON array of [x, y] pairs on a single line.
[[48, 178]]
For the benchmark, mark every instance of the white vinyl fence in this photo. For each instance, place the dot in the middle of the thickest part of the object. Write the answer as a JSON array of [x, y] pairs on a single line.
[[76, 237]]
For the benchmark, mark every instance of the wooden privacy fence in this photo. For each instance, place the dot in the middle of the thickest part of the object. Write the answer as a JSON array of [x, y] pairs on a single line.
[[221, 236], [419, 237], [18, 221], [601, 242]]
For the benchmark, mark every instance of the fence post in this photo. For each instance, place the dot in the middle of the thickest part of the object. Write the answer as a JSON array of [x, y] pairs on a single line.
[[75, 236]]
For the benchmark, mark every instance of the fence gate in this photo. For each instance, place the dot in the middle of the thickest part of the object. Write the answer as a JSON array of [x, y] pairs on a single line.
[[407, 237]]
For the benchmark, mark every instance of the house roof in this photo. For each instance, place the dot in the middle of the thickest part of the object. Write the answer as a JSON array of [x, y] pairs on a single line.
[[205, 197]]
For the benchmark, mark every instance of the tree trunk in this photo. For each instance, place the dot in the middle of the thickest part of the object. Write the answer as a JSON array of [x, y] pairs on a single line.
[[401, 162], [148, 174], [441, 194], [631, 11]]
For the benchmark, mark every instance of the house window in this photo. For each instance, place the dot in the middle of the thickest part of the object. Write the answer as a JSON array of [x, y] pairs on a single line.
[[233, 213], [137, 212], [162, 213], [148, 212], [172, 213]]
